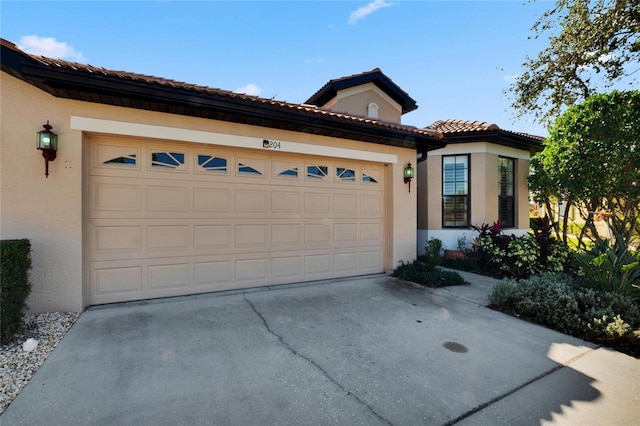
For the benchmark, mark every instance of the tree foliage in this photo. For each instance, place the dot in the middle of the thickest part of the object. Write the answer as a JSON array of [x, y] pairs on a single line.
[[595, 43], [592, 161]]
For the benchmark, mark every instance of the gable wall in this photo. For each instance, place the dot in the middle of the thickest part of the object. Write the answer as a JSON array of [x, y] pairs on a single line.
[[355, 100]]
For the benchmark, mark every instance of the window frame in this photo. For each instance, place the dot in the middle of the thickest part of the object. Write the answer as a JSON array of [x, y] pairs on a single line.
[[466, 196], [510, 199]]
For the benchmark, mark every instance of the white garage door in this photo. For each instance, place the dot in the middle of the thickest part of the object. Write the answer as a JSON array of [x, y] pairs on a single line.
[[172, 219]]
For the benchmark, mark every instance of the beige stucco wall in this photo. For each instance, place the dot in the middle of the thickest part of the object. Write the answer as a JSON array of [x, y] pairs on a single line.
[[50, 211], [483, 191], [355, 100]]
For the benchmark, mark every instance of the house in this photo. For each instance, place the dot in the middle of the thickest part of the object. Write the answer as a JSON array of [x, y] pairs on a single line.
[[479, 177], [162, 188]]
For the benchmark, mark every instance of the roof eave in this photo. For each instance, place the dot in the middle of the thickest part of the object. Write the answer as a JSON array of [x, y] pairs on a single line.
[[107, 90], [500, 137]]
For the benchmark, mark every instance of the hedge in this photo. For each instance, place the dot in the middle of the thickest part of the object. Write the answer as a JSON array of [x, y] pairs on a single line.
[[15, 262]]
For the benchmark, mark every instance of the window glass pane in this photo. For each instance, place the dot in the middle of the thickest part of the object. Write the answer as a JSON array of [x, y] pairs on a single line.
[[289, 173], [368, 179], [212, 164], [455, 211], [448, 161], [317, 172], [346, 174], [506, 186], [461, 188], [449, 188], [246, 170], [167, 160], [129, 160]]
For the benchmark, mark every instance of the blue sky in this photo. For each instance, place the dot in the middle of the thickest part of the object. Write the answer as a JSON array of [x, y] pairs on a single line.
[[454, 58]]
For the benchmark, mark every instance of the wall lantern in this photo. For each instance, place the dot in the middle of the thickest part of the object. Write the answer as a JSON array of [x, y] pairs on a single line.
[[408, 175], [48, 144]]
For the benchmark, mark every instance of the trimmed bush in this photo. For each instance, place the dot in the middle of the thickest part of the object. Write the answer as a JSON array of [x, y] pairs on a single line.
[[427, 275], [15, 262], [556, 302]]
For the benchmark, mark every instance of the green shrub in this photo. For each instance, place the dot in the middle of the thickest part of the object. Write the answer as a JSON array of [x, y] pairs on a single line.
[[15, 262], [557, 302], [612, 268], [465, 264], [432, 254], [422, 273], [519, 257]]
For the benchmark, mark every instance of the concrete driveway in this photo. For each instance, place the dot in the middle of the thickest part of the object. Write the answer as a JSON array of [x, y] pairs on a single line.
[[363, 351]]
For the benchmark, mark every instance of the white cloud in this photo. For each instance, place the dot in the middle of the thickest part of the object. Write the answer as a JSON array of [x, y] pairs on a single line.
[[50, 47], [249, 89], [511, 78], [367, 10], [313, 60]]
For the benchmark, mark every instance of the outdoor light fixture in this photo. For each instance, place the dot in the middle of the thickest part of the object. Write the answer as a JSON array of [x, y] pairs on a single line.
[[48, 144], [408, 175]]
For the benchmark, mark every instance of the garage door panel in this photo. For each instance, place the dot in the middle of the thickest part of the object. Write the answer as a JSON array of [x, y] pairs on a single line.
[[117, 197], [371, 260], [286, 201], [317, 202], [253, 236], [117, 280], [315, 264], [213, 273], [286, 267], [317, 233], [251, 201], [345, 203], [116, 239], [168, 237], [213, 199], [211, 237], [371, 204], [168, 276], [252, 269], [346, 232], [346, 261], [167, 198], [286, 235], [176, 219]]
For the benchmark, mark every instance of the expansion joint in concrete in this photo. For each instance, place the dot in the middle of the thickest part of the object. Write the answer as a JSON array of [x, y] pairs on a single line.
[[312, 362]]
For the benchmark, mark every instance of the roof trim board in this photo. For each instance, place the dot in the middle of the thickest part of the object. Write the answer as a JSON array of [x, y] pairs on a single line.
[[188, 135]]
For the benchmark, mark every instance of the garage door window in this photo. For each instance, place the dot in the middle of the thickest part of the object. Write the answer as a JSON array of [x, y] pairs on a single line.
[[167, 160], [128, 160], [210, 163], [317, 172], [346, 175], [368, 179]]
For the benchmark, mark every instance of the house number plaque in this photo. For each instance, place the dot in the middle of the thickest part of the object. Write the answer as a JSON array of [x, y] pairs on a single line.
[[266, 143]]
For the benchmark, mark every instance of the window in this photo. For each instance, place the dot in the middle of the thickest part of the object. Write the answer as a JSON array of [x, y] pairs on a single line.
[[317, 172], [128, 160], [455, 191], [345, 174], [210, 163], [167, 160], [506, 202], [372, 110]]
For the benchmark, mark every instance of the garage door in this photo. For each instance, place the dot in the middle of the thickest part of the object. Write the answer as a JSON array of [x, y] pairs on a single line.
[[173, 219]]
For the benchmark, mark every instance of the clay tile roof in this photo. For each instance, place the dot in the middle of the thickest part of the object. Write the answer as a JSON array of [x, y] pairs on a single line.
[[149, 80], [459, 126]]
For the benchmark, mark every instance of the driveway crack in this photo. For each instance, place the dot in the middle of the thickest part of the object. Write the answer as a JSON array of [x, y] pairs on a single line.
[[312, 362]]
